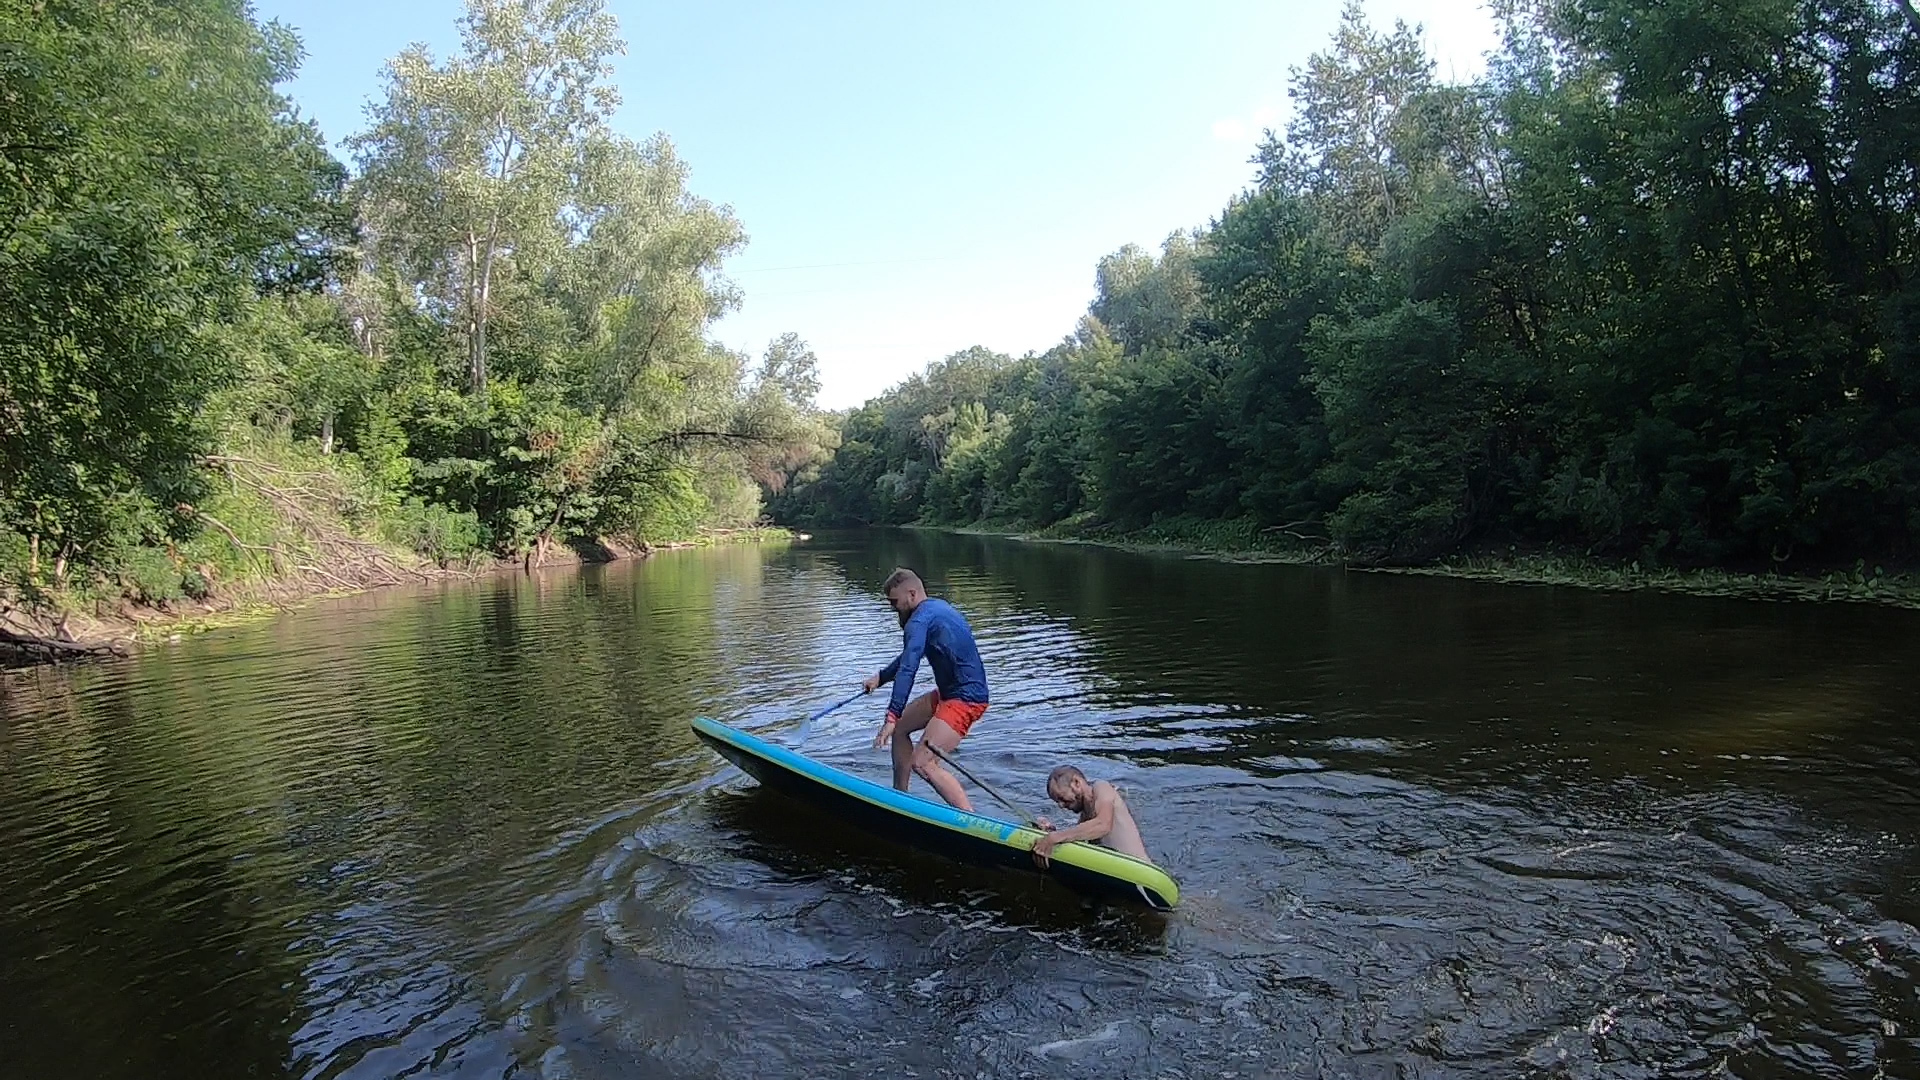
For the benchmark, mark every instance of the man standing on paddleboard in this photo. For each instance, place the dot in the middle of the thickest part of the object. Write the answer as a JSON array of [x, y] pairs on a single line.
[[934, 629]]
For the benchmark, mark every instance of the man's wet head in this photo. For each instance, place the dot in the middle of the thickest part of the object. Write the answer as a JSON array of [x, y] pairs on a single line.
[[1068, 787]]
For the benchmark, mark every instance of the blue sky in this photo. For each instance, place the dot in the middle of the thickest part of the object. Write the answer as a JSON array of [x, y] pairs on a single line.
[[918, 178]]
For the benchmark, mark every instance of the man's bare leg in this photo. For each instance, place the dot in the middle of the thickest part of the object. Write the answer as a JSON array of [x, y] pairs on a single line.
[[946, 740], [919, 712]]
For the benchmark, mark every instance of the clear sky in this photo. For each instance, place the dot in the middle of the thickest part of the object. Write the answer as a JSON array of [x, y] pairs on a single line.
[[918, 178]]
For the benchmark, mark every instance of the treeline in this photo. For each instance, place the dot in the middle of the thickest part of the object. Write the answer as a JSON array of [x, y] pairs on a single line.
[[488, 333], [1648, 290]]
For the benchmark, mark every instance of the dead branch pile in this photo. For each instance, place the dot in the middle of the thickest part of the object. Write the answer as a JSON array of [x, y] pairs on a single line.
[[314, 550]]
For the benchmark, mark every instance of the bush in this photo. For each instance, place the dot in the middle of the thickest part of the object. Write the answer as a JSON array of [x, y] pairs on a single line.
[[150, 576], [16, 559], [434, 531]]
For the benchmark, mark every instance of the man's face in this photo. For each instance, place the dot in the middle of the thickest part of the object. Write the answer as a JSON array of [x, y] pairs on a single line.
[[1070, 794], [902, 600]]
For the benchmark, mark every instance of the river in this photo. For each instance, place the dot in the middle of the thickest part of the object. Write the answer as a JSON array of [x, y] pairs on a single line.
[[1423, 828]]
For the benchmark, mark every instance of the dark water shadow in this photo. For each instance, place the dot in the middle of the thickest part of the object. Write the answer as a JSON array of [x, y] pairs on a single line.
[[799, 841]]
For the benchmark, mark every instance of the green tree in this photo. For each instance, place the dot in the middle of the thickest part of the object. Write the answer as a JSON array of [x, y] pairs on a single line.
[[1350, 145], [577, 275], [1652, 288], [152, 180], [1146, 302], [470, 166], [800, 439]]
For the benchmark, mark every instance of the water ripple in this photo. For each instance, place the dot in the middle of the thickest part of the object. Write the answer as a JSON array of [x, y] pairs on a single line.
[[1422, 828]]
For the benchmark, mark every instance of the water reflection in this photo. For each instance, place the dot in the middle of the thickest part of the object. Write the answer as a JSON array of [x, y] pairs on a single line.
[[1422, 826]]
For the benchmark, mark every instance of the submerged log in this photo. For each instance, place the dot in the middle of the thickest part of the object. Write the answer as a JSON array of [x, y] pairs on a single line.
[[35, 649]]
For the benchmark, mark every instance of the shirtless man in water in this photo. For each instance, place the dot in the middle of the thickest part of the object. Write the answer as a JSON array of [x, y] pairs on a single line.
[[1104, 817]]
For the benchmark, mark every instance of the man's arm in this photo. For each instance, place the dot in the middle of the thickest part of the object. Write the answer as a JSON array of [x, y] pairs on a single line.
[[1093, 828], [903, 668]]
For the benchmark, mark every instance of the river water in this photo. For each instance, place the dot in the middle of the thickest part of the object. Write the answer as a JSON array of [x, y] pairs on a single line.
[[1423, 828]]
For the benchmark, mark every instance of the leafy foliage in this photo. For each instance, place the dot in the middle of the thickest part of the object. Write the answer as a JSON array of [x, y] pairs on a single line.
[[492, 334], [151, 183], [1652, 288]]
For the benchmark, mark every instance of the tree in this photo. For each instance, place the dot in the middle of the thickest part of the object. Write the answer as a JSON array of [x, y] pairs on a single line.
[[791, 368], [1146, 302], [640, 280], [1348, 145], [1651, 289], [472, 165], [576, 271], [152, 181]]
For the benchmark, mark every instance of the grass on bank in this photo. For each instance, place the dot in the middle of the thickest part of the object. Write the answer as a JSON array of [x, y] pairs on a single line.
[[1247, 540], [282, 523], [1862, 583], [1235, 539]]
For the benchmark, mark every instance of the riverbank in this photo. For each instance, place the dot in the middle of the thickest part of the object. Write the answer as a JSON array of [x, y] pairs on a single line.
[[58, 626], [1235, 541], [1243, 541]]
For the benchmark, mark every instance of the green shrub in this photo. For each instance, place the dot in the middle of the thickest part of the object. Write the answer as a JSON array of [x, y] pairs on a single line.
[[16, 559], [149, 576], [434, 531]]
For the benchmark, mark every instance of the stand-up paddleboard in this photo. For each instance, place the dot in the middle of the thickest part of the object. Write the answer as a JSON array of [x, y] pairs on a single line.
[[960, 834]]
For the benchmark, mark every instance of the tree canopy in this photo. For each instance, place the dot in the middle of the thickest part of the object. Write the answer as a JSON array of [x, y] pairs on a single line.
[[1651, 288], [497, 317]]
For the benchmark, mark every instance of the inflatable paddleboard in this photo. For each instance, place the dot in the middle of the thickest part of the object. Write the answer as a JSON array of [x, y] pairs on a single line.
[[935, 826]]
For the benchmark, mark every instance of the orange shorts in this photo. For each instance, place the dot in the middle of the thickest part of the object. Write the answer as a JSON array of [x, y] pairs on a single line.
[[956, 714]]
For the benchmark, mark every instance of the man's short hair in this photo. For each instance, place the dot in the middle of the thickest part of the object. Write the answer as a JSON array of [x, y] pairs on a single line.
[[902, 578], [1063, 774]]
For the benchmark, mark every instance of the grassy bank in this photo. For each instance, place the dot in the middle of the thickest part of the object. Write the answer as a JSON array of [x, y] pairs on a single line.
[[1236, 540], [1246, 541], [283, 525], [1859, 584]]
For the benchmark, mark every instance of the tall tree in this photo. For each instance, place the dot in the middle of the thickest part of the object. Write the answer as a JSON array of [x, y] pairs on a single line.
[[1146, 302], [1350, 144], [792, 368], [472, 164]]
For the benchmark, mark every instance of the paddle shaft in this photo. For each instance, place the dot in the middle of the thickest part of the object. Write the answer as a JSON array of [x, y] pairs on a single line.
[[808, 723], [1004, 801], [984, 786]]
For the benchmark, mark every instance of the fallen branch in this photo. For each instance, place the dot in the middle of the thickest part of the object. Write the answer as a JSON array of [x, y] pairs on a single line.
[[678, 437], [264, 466], [55, 648], [234, 538], [308, 567]]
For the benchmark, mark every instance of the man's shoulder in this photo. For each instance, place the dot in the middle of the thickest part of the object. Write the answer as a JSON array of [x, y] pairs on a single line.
[[937, 608]]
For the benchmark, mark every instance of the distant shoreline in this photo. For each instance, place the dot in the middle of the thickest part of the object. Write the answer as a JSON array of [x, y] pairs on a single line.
[[1236, 542]]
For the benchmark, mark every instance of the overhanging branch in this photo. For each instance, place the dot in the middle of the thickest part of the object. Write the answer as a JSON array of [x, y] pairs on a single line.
[[681, 438]]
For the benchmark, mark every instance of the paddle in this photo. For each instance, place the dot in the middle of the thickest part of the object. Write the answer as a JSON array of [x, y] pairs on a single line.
[[808, 723], [1004, 801], [1029, 819]]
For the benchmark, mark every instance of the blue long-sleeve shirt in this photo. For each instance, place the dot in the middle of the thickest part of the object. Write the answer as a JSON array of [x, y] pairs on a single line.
[[939, 632]]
